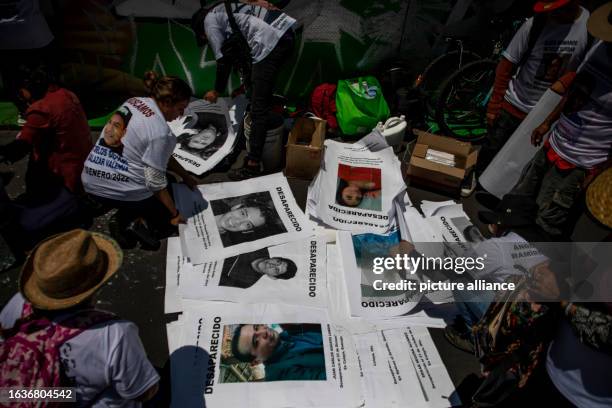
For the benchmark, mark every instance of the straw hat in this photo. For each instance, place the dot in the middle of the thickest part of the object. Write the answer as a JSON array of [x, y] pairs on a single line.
[[599, 198], [68, 268], [550, 5], [600, 23]]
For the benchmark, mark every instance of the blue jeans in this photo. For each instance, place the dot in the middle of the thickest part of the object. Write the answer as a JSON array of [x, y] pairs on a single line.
[[472, 305]]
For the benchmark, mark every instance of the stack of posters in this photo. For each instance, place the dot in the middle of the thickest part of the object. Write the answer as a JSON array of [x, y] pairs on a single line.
[[205, 135], [356, 186]]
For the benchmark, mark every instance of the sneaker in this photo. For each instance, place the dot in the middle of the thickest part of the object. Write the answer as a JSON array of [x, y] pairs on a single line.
[[468, 185], [243, 173], [21, 121], [487, 200], [459, 339]]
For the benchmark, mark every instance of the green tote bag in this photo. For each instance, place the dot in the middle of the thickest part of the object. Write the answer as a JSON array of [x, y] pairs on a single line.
[[360, 105]]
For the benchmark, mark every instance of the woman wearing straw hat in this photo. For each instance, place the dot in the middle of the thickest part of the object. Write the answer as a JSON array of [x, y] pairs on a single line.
[[102, 356]]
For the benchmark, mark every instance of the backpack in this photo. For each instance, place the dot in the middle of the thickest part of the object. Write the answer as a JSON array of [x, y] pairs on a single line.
[[29, 354], [323, 104]]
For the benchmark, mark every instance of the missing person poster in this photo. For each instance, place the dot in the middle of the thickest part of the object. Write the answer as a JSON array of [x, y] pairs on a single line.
[[356, 186], [292, 273], [204, 135], [373, 289], [228, 219], [263, 356]]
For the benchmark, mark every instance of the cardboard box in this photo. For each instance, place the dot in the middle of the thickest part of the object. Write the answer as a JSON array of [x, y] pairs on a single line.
[[428, 173], [305, 148]]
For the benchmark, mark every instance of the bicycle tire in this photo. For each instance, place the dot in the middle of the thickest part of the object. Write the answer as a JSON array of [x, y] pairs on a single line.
[[462, 102], [437, 70]]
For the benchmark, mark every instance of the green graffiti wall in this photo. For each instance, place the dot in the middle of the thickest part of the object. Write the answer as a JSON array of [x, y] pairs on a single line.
[[107, 45]]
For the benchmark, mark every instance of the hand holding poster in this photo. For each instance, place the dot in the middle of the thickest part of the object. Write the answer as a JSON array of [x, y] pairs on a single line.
[[204, 135], [292, 273], [228, 219]]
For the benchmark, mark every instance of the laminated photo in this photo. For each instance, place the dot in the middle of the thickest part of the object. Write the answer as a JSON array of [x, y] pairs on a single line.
[[292, 273], [204, 135], [229, 219]]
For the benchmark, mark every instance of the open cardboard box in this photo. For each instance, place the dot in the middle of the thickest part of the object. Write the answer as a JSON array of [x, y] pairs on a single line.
[[436, 175], [305, 148]]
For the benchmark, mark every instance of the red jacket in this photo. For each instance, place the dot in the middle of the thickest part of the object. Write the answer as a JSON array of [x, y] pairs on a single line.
[[57, 129]]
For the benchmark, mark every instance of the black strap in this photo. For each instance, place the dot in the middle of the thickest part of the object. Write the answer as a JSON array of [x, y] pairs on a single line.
[[230, 17]]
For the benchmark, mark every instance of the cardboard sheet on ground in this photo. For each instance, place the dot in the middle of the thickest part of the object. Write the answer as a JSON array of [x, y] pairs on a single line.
[[402, 368], [313, 364], [506, 168], [228, 219], [356, 186], [205, 135], [292, 273], [175, 261]]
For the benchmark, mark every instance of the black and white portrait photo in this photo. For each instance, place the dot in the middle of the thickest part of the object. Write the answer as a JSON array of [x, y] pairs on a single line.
[[246, 218], [244, 270], [204, 134]]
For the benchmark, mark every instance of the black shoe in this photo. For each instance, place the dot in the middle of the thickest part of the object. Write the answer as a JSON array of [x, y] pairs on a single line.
[[461, 340], [123, 238], [144, 235], [487, 200], [243, 173]]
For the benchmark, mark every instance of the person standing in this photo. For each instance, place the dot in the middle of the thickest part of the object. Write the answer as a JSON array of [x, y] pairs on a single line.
[[270, 40], [546, 46]]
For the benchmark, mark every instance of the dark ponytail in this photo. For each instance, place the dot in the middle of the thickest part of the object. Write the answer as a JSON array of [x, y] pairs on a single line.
[[166, 89]]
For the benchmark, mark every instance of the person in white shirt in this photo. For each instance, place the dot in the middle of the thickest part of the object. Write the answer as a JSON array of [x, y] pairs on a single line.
[[580, 140], [546, 46], [105, 361], [268, 41], [132, 177]]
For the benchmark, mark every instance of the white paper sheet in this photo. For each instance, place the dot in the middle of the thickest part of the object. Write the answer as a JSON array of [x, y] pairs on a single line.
[[326, 374], [228, 219], [175, 260], [505, 169], [239, 278]]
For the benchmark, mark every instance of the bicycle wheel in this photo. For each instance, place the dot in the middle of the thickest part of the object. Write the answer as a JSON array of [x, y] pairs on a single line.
[[462, 103], [440, 68]]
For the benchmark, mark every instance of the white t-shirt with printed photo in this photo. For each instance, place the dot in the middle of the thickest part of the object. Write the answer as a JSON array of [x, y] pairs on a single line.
[[558, 49], [583, 137], [106, 362], [148, 141], [261, 28], [505, 256]]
